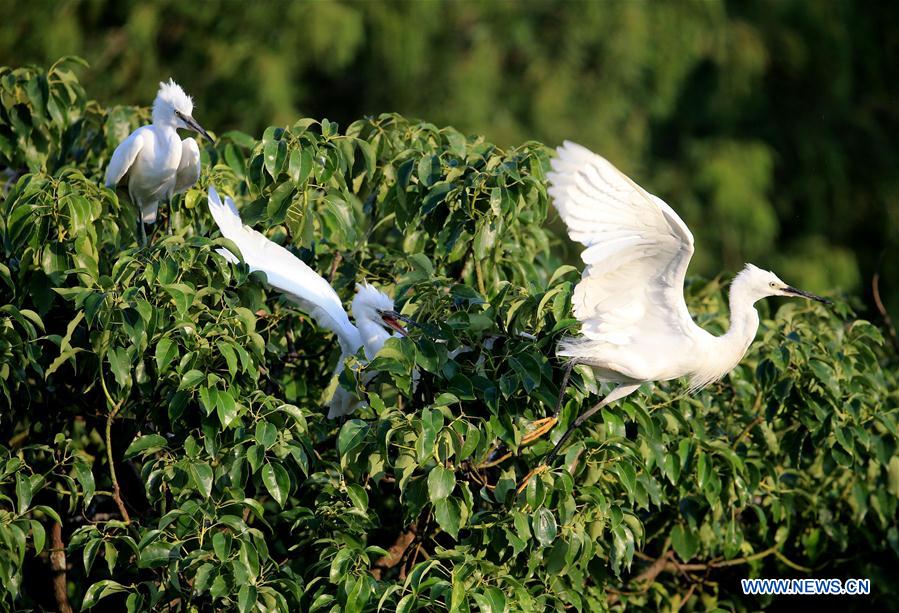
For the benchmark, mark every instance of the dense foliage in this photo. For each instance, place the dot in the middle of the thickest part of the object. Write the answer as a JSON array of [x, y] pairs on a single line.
[[769, 124], [165, 408]]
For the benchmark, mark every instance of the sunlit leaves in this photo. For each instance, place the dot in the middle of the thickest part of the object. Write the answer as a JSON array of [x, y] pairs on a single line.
[[242, 494]]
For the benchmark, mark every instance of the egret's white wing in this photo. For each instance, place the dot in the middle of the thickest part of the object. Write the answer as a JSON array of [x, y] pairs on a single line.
[[123, 157], [637, 253], [285, 272], [189, 166]]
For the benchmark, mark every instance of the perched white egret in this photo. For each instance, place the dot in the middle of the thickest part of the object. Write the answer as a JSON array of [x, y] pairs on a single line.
[[372, 309], [635, 326], [157, 163]]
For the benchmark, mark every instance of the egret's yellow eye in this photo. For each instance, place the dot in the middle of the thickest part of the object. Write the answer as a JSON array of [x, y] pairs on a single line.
[[773, 284]]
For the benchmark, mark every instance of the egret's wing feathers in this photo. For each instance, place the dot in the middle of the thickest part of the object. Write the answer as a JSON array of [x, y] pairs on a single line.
[[637, 254], [189, 166], [123, 157], [285, 272]]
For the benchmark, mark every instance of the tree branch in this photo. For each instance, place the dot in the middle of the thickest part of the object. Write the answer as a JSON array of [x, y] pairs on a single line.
[[395, 553], [888, 322], [58, 567]]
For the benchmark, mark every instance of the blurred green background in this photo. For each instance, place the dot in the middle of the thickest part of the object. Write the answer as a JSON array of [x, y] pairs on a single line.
[[771, 127]]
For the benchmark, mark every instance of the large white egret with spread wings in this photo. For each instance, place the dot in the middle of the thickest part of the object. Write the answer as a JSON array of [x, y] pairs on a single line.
[[372, 309], [635, 326], [156, 162]]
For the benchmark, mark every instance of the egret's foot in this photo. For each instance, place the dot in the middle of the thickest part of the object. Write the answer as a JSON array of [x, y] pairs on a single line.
[[541, 427], [524, 482]]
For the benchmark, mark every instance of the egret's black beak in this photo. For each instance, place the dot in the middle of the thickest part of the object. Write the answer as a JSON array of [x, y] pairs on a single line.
[[193, 125], [798, 292]]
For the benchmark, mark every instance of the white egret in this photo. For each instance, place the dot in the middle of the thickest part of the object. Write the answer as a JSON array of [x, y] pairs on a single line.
[[372, 309], [157, 163], [635, 326]]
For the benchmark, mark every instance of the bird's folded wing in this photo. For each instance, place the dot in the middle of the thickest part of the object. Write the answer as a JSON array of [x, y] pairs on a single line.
[[285, 272], [637, 252], [123, 157], [188, 167]]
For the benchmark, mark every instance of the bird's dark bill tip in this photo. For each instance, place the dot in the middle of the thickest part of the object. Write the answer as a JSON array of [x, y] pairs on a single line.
[[809, 295]]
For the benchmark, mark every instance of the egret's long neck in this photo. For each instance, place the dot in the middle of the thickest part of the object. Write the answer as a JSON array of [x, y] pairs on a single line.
[[373, 335], [744, 320]]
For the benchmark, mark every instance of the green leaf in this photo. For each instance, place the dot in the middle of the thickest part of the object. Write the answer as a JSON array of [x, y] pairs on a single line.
[[120, 363], [266, 434], [429, 170], [85, 478], [226, 408], [351, 435], [166, 351], [684, 541], [246, 598], [441, 483], [23, 493], [190, 379], [202, 476], [100, 590], [38, 536], [111, 554], [358, 496], [275, 152], [221, 545], [544, 526], [277, 482], [448, 514], [146, 444], [278, 203], [155, 555]]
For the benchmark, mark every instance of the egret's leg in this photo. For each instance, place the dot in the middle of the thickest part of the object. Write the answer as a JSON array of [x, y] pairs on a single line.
[[143, 233], [542, 426], [619, 392]]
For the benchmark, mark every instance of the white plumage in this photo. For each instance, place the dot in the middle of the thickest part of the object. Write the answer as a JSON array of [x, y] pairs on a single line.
[[635, 326], [154, 159], [373, 310]]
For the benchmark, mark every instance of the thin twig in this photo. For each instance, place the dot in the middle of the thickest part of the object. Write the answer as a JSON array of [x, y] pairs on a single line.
[[888, 322], [747, 430], [334, 264], [686, 598], [58, 568], [114, 410]]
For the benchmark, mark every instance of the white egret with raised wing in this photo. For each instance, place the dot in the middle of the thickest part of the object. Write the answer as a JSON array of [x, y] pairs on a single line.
[[156, 162], [635, 326], [372, 309]]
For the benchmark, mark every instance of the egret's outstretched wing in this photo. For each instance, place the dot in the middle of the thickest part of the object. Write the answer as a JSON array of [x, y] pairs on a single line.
[[188, 167], [285, 272], [637, 253], [123, 157]]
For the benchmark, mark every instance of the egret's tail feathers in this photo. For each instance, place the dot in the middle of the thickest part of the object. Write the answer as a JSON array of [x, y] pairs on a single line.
[[225, 214], [589, 352]]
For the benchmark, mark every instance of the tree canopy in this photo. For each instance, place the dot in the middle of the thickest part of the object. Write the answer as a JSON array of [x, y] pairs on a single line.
[[164, 421]]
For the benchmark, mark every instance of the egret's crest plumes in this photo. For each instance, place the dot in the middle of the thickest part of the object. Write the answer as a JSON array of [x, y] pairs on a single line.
[[171, 98], [369, 301]]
